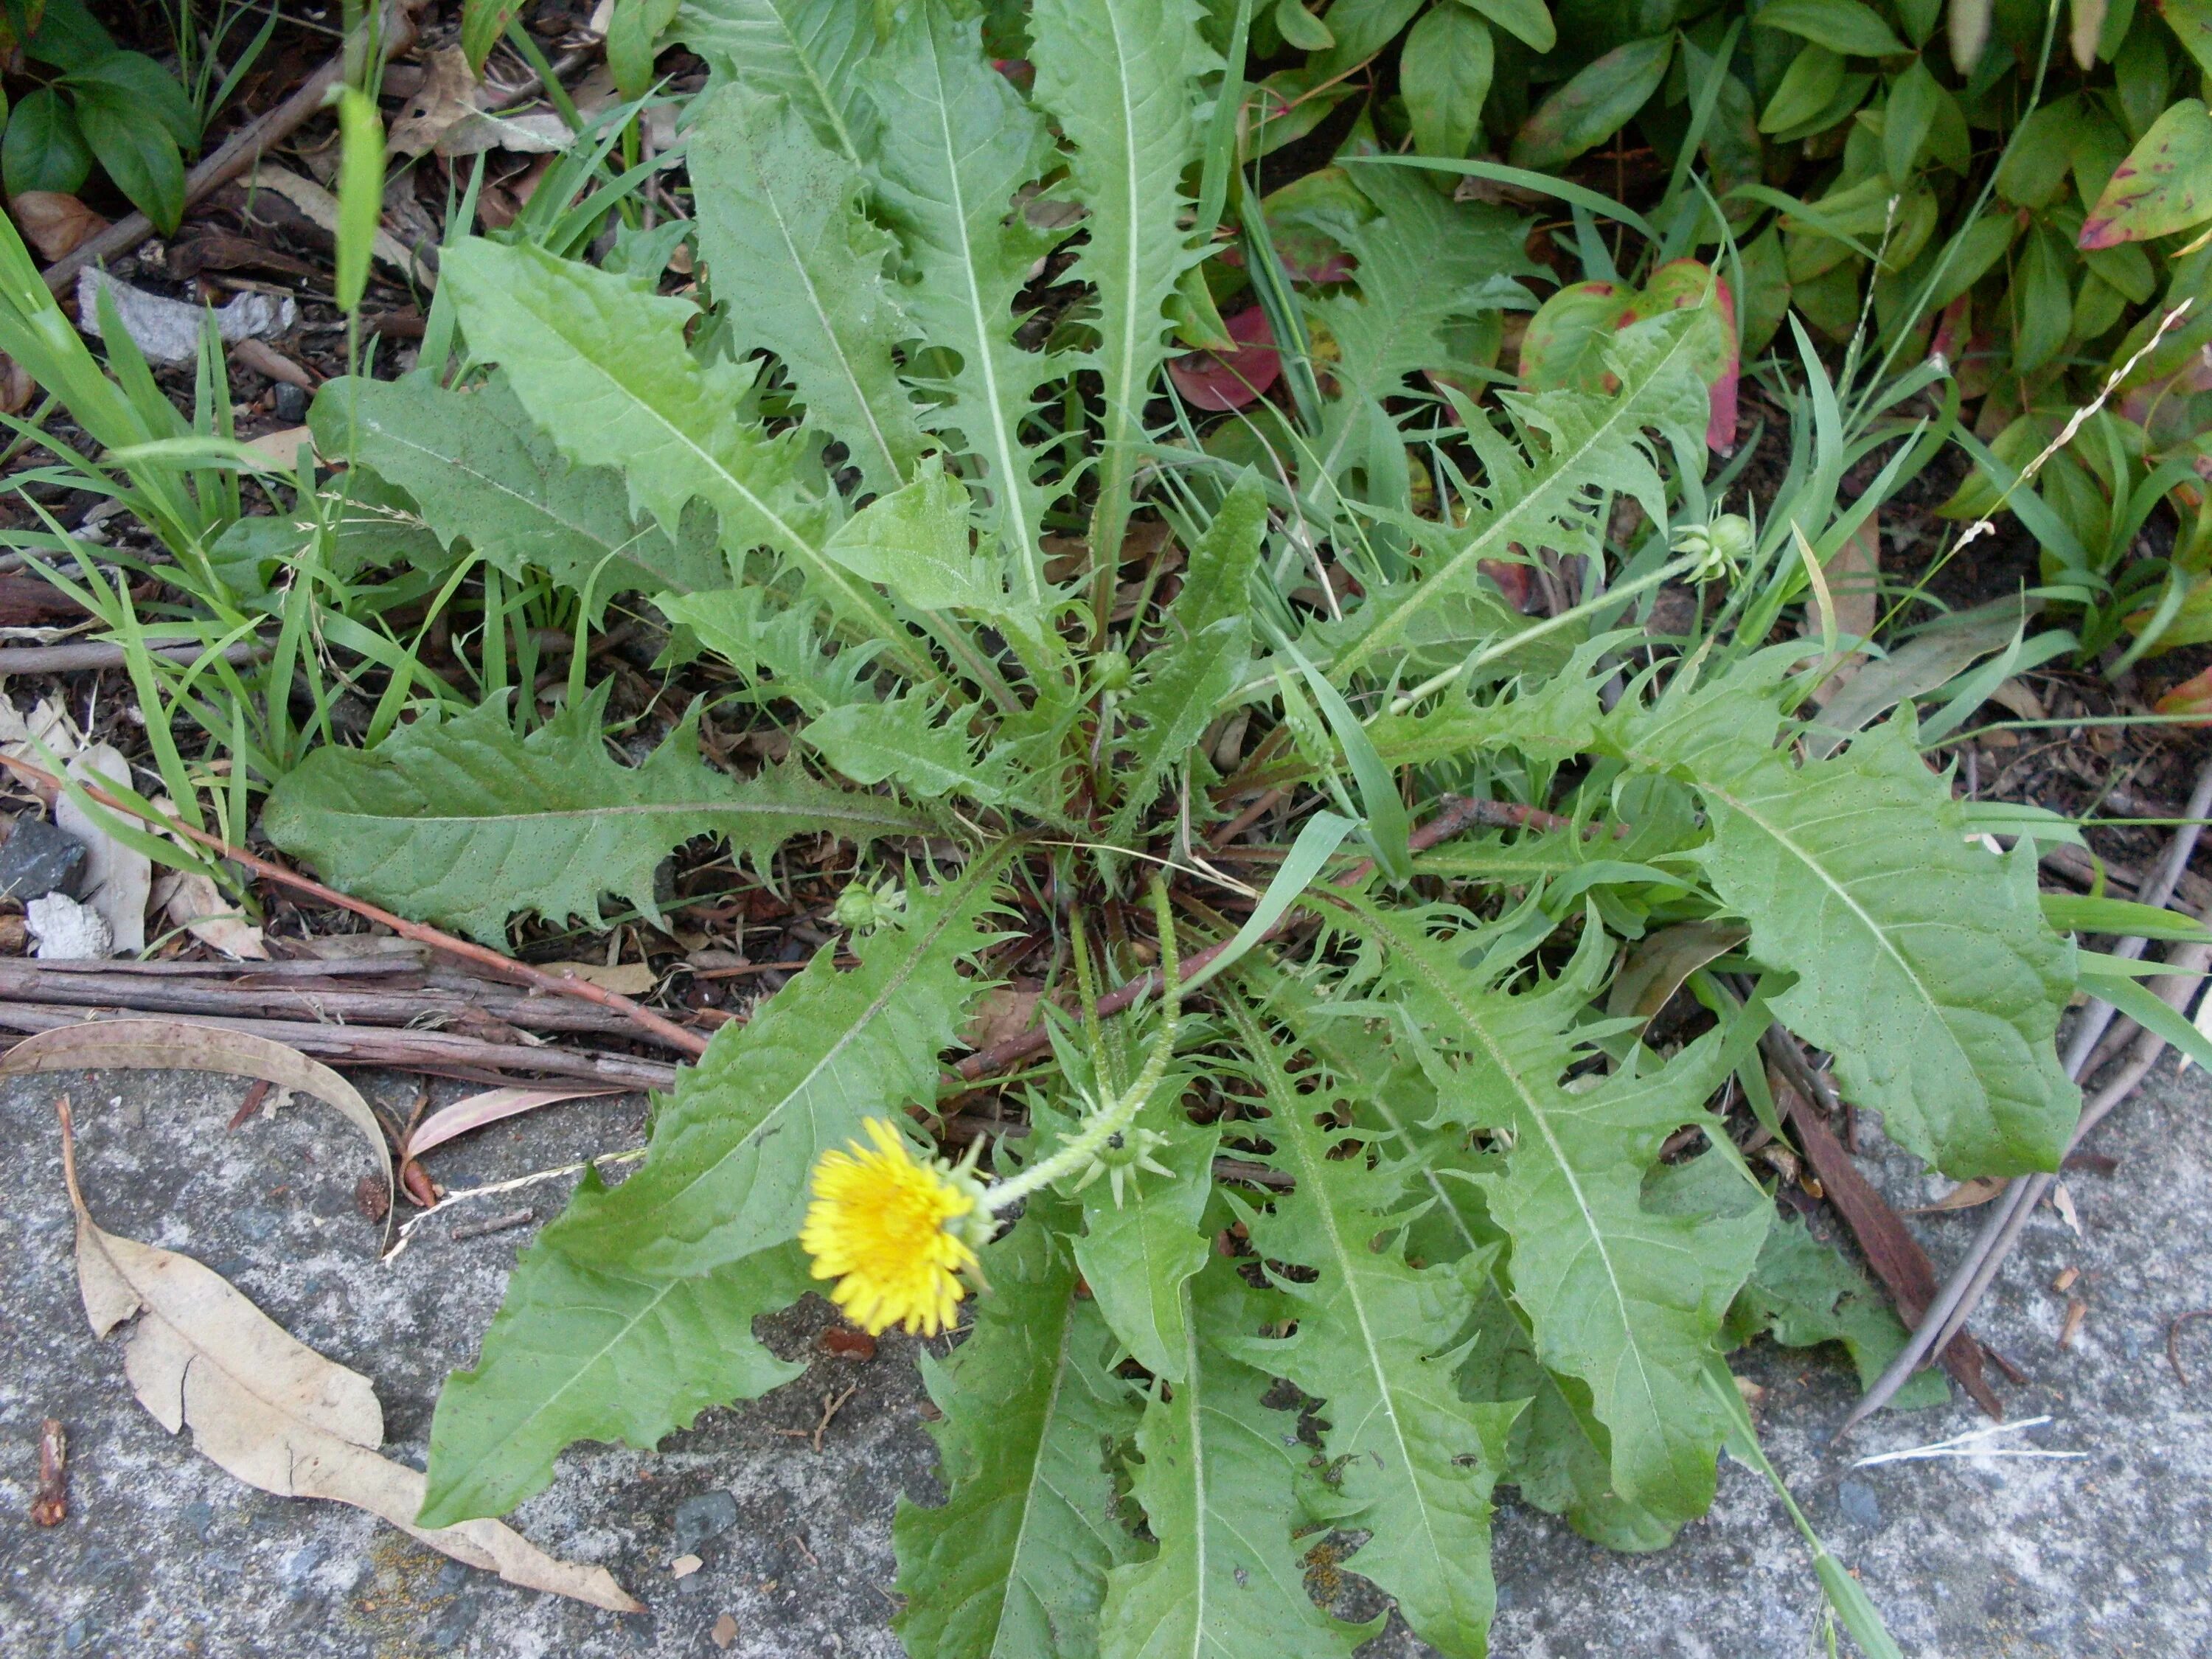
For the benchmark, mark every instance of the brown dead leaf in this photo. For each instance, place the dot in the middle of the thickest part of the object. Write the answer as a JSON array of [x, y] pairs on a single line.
[[268, 1409], [281, 448], [320, 205], [192, 901], [628, 979], [725, 1631], [54, 223], [1965, 1196], [15, 386], [448, 97], [1003, 1014], [489, 1107], [170, 1045], [1854, 584], [1655, 970]]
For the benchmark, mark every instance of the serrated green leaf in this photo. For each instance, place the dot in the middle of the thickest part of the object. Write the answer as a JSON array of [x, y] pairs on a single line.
[[1591, 444], [776, 648], [1923, 962], [957, 143], [1120, 78], [808, 52], [918, 542], [480, 469], [456, 821], [1200, 663], [909, 739], [1013, 1565], [1625, 1300], [1216, 1483], [802, 271], [579, 1350], [1140, 1244], [604, 367], [1416, 1459], [1422, 261], [727, 1172]]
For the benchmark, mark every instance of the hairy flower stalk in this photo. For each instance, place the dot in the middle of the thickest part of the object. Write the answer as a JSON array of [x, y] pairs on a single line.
[[897, 1233]]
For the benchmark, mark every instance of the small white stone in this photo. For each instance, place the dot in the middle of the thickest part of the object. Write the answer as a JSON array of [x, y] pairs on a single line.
[[66, 930]]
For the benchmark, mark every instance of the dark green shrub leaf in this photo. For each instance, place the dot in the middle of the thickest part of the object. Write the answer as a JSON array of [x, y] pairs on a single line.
[[1848, 26], [1595, 105], [135, 151], [1530, 20], [1444, 75], [44, 149], [137, 80]]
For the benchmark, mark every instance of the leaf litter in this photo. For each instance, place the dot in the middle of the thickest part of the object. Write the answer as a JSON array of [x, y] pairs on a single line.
[[269, 1411]]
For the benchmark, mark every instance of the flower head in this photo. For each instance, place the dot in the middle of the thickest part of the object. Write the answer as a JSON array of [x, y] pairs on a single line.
[[895, 1232]]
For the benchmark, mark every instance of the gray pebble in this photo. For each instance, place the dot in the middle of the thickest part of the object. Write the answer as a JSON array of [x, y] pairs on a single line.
[[709, 1515], [1859, 1504]]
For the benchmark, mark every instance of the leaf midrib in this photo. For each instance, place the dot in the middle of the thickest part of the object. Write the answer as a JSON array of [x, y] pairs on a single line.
[[1539, 1119]]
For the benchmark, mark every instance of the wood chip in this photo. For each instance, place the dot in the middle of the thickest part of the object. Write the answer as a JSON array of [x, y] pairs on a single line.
[[2064, 1282], [2077, 1312], [50, 1505], [685, 1565]]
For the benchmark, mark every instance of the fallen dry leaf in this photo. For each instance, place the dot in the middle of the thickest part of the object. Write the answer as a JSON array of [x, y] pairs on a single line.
[[268, 1409], [15, 386], [169, 1045], [724, 1632], [1854, 579], [281, 448], [1655, 970], [192, 901], [118, 879], [1965, 1196], [168, 330], [628, 979], [685, 1565], [2063, 1201], [489, 1107], [54, 223], [319, 204], [448, 97], [1003, 1013]]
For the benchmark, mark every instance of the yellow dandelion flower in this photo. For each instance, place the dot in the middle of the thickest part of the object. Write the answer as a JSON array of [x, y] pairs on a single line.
[[885, 1227]]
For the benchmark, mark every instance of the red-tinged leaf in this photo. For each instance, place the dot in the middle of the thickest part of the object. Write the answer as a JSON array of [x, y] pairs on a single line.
[[1564, 346], [1220, 382], [2165, 185], [2191, 700], [1516, 581], [1679, 285], [1953, 329]]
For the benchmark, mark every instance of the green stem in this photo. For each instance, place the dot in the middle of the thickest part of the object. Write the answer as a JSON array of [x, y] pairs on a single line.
[[1116, 1117]]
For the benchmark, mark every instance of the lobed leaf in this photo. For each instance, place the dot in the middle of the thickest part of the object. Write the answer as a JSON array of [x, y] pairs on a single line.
[[1417, 1461], [481, 470], [1015, 1561], [1625, 1300], [1119, 77], [957, 143], [457, 821], [1923, 962], [1217, 1487], [801, 271], [807, 51], [604, 367]]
